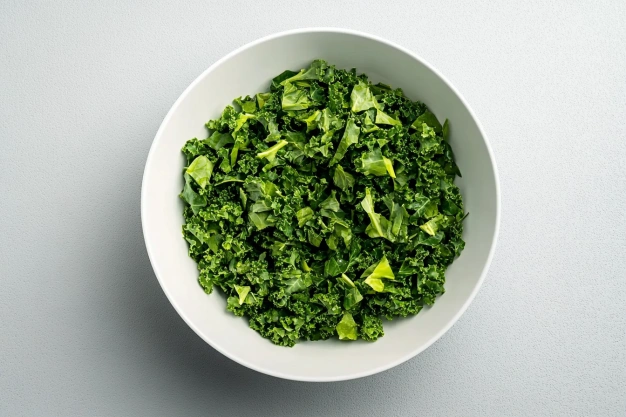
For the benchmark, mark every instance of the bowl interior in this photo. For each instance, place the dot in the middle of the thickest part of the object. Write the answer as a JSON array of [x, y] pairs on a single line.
[[249, 71]]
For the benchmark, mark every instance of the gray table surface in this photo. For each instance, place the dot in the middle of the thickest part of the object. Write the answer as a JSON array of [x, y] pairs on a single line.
[[84, 326]]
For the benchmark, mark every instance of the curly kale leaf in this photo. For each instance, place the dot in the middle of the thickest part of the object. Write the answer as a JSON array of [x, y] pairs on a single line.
[[322, 206]]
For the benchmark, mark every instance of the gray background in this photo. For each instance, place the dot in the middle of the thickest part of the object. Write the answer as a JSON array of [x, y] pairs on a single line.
[[84, 326]]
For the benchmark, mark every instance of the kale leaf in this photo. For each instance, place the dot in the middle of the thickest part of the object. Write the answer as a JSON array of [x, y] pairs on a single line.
[[322, 206]]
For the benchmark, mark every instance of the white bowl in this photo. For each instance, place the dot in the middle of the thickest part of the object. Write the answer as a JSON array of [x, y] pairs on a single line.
[[248, 70]]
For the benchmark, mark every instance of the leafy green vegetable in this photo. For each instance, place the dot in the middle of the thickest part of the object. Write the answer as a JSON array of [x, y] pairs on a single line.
[[430, 120], [200, 170], [323, 206], [347, 281], [297, 284], [362, 98], [432, 225], [270, 153], [352, 298], [295, 98], [342, 179], [218, 140], [374, 163], [195, 200], [242, 292], [379, 225], [304, 215], [350, 137], [346, 328], [375, 273], [385, 119], [312, 73]]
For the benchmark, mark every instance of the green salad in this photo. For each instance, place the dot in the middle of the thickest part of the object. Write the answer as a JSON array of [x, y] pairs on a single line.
[[323, 206]]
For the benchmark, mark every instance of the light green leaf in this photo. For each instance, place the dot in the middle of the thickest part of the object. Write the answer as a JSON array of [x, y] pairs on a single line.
[[274, 133], [234, 153], [347, 328], [295, 98], [226, 180], [260, 206], [243, 197], [381, 271], [242, 291], [261, 98], [362, 98], [261, 220], [304, 215], [429, 119], [297, 284], [368, 125], [330, 203], [347, 280], [374, 163], [257, 189], [432, 226], [343, 232], [270, 153], [329, 121], [407, 269], [389, 166], [214, 242], [369, 270], [247, 104], [225, 164], [242, 119], [311, 73], [278, 247], [352, 298], [384, 119], [350, 137], [429, 134], [379, 225], [332, 242], [200, 170], [218, 140], [399, 220], [312, 120]]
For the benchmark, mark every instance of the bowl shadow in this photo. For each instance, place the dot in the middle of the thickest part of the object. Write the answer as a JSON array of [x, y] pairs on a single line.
[[164, 345]]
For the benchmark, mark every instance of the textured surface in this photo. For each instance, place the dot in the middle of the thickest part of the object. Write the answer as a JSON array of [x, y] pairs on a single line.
[[85, 328]]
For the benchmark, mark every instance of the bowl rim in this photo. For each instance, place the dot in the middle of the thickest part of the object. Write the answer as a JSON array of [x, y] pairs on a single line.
[[356, 375]]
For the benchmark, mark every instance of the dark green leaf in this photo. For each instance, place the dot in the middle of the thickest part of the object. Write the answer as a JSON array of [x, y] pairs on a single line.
[[218, 140], [430, 120], [195, 200]]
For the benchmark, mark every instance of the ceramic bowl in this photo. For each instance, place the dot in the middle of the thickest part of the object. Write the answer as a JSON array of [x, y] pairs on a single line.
[[249, 70]]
